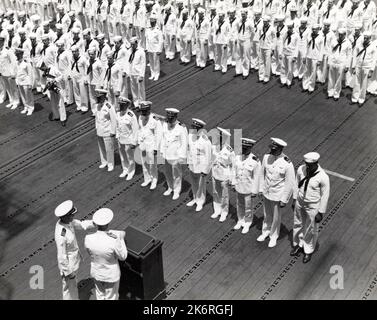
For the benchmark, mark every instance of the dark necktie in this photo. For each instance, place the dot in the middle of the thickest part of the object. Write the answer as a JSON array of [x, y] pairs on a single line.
[[321, 3], [10, 41], [301, 32], [100, 51], [60, 19], [279, 31], [213, 17], [57, 38], [306, 180], [21, 43], [256, 25], [71, 25], [242, 27], [269, 4], [23, 23], [183, 23], [75, 64], [75, 42], [122, 7], [43, 51], [58, 56], [263, 36], [166, 18], [312, 41], [90, 67], [132, 56], [289, 38], [354, 42], [231, 21], [116, 52], [99, 5], [343, 3], [88, 44], [108, 72], [338, 46], [286, 5], [363, 51], [354, 7], [199, 25], [374, 22], [109, 7], [32, 51], [325, 40], [219, 28], [307, 10], [327, 14]]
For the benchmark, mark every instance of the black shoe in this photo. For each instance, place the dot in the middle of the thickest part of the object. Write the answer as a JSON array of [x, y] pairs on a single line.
[[77, 110], [244, 77], [83, 112], [289, 86], [202, 68], [352, 103], [328, 97], [303, 90], [306, 258], [310, 92], [237, 75], [336, 99], [361, 104], [296, 251], [282, 85], [259, 81], [63, 123]]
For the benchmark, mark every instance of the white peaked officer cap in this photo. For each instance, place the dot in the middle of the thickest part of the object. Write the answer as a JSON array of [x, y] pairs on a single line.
[[86, 31], [311, 157], [172, 110], [168, 6], [124, 100], [279, 142], [10, 13], [71, 13], [231, 9], [316, 26], [224, 132], [145, 105], [221, 13], [10, 27], [243, 10], [110, 54], [60, 7], [257, 11], [65, 208], [247, 142], [33, 35], [198, 122], [100, 92], [201, 10], [153, 17], [103, 216], [212, 7]]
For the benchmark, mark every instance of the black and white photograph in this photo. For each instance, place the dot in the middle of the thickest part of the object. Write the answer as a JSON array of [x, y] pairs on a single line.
[[201, 152]]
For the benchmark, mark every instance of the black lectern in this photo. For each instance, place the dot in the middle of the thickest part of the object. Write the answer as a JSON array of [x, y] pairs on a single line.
[[142, 274]]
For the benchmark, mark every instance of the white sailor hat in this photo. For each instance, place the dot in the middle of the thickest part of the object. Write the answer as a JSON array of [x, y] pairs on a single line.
[[311, 157], [201, 10], [45, 23], [149, 3], [167, 6], [10, 12], [245, 1], [45, 36], [100, 36], [109, 54], [74, 48], [76, 30], [59, 43], [60, 7], [117, 39], [21, 14], [65, 208], [358, 25], [196, 2], [133, 40], [289, 23], [198, 122], [293, 7], [86, 31], [279, 142], [153, 17], [59, 26], [71, 13], [103, 216], [124, 100], [100, 92], [279, 17], [35, 17], [232, 9], [212, 7], [179, 1], [145, 104], [221, 13], [92, 50], [224, 132], [185, 11], [33, 35], [21, 30], [247, 142], [10, 27], [327, 22], [303, 20], [172, 110], [342, 30], [243, 10], [257, 11], [355, 1], [266, 18], [367, 34]]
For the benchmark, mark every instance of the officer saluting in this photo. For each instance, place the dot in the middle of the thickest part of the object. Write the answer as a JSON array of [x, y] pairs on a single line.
[[199, 158], [276, 186], [105, 248], [67, 248], [246, 183], [222, 168], [174, 151], [310, 199]]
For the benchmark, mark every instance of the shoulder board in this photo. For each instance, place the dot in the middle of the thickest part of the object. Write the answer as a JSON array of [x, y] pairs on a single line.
[[108, 105], [112, 235], [130, 113], [287, 159], [64, 231]]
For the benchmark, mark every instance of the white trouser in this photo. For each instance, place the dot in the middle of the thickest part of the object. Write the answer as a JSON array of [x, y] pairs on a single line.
[[140, 34], [286, 74], [276, 61], [360, 86], [232, 53], [154, 63], [254, 55], [27, 97], [220, 195], [221, 57], [106, 150], [323, 69], [149, 164], [272, 218], [185, 53], [80, 94], [211, 48], [3, 92], [305, 229], [69, 288], [372, 83], [12, 90], [37, 78], [169, 45], [92, 98], [310, 74], [125, 31], [127, 157], [245, 210], [334, 86], [265, 65], [243, 57], [137, 90], [106, 290], [173, 175], [198, 187], [201, 52], [299, 66]]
